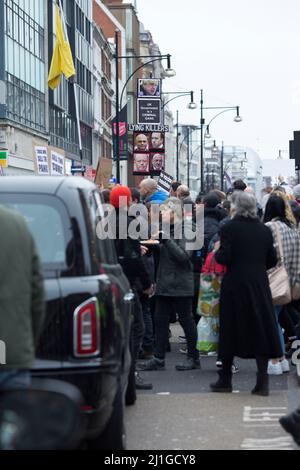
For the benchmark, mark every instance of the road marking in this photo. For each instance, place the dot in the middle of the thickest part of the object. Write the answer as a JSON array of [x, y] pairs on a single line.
[[277, 443], [263, 415]]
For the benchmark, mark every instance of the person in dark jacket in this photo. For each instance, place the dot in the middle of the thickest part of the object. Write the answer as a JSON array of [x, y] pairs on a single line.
[[174, 287], [21, 300], [248, 327], [212, 219], [130, 258]]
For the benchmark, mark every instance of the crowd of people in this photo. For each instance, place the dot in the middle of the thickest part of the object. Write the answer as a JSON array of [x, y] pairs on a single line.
[[254, 243]]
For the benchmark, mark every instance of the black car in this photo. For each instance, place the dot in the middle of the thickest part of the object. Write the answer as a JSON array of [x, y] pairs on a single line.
[[86, 334]]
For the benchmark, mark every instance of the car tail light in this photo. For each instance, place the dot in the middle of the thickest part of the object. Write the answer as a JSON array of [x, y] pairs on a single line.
[[87, 329]]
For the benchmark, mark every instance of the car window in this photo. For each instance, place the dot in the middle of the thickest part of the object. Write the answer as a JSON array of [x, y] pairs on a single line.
[[106, 248], [46, 218]]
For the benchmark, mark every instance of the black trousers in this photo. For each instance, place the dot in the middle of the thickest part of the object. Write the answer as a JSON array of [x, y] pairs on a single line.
[[183, 307], [262, 365], [138, 327]]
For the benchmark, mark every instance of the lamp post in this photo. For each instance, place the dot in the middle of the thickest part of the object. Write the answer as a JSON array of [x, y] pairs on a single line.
[[169, 72], [192, 105], [224, 109]]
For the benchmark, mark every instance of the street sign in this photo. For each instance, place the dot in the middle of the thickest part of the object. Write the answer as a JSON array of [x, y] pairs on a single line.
[[149, 111], [3, 158]]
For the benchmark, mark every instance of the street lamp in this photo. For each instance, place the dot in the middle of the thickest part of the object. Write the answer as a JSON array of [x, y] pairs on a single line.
[[179, 94], [192, 105], [224, 109], [154, 58]]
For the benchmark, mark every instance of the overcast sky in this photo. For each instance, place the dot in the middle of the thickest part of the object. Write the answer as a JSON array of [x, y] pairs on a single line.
[[241, 52]]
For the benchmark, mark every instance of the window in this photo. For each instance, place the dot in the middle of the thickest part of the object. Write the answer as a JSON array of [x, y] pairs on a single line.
[[48, 222]]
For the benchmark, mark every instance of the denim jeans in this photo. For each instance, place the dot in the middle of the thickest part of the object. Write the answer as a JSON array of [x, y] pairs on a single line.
[[11, 379], [148, 341], [281, 337]]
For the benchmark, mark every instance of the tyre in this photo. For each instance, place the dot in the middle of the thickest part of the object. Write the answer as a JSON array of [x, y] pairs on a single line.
[[130, 397], [114, 436]]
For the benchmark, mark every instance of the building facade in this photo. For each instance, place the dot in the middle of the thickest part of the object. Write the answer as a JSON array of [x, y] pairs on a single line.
[[23, 77], [62, 112]]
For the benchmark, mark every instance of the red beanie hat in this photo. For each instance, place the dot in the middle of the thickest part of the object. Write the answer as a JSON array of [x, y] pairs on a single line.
[[120, 192]]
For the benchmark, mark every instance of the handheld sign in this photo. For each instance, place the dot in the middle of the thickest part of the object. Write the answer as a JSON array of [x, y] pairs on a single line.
[[165, 181]]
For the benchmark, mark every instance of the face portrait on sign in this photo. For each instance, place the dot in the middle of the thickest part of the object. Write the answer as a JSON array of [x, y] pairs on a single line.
[[149, 87], [141, 142], [141, 163], [157, 162], [157, 141]]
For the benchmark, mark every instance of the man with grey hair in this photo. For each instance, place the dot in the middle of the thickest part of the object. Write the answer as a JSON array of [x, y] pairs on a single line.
[[183, 192], [296, 192], [150, 193]]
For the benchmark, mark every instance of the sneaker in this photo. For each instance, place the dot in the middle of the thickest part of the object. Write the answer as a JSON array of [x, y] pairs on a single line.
[[274, 369], [140, 384], [219, 364], [235, 369], [182, 339], [153, 364], [183, 350], [285, 366], [189, 364]]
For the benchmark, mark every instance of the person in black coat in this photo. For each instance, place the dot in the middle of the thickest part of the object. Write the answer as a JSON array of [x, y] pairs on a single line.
[[247, 323], [212, 218]]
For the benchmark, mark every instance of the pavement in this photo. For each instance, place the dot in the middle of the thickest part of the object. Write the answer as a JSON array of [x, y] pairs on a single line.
[[181, 413]]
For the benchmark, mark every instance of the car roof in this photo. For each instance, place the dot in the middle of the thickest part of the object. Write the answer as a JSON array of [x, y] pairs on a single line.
[[43, 184]]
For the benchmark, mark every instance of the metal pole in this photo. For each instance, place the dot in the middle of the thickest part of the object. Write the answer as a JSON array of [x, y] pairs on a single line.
[[222, 167], [188, 157], [202, 122], [74, 87], [177, 146], [117, 131]]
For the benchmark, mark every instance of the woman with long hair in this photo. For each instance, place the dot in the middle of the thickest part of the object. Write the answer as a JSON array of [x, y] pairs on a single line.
[[281, 221]]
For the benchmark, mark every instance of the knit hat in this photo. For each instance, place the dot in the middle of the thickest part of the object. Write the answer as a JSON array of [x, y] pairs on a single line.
[[120, 192]]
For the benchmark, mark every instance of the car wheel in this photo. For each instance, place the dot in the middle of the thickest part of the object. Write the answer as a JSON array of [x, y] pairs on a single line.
[[114, 435], [130, 397]]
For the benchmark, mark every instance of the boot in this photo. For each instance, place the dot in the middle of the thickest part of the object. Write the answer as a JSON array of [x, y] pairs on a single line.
[[291, 424], [262, 385], [224, 384]]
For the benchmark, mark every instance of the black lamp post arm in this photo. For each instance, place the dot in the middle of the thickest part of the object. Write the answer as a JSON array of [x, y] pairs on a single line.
[[175, 98], [219, 114], [139, 68]]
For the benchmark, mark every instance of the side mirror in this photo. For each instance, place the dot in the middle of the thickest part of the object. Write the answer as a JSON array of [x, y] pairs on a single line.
[[45, 417]]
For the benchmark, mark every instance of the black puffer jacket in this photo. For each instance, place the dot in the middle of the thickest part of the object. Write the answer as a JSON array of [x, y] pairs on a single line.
[[175, 271], [129, 256]]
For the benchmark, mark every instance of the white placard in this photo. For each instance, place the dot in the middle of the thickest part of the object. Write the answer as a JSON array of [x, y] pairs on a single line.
[[57, 164], [42, 164]]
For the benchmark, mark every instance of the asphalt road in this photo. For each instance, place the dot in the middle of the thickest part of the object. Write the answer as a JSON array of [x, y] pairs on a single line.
[[180, 413]]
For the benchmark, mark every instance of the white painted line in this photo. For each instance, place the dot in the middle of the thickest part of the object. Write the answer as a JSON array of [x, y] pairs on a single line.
[[278, 443], [164, 393]]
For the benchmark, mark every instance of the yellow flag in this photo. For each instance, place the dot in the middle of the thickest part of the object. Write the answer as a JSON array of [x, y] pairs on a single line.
[[62, 60]]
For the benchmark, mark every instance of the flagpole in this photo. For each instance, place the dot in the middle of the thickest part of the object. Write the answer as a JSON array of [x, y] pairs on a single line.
[[74, 85]]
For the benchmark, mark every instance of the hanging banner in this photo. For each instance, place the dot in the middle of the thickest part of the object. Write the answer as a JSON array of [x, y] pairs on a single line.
[[123, 140], [41, 161], [148, 111], [148, 87]]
